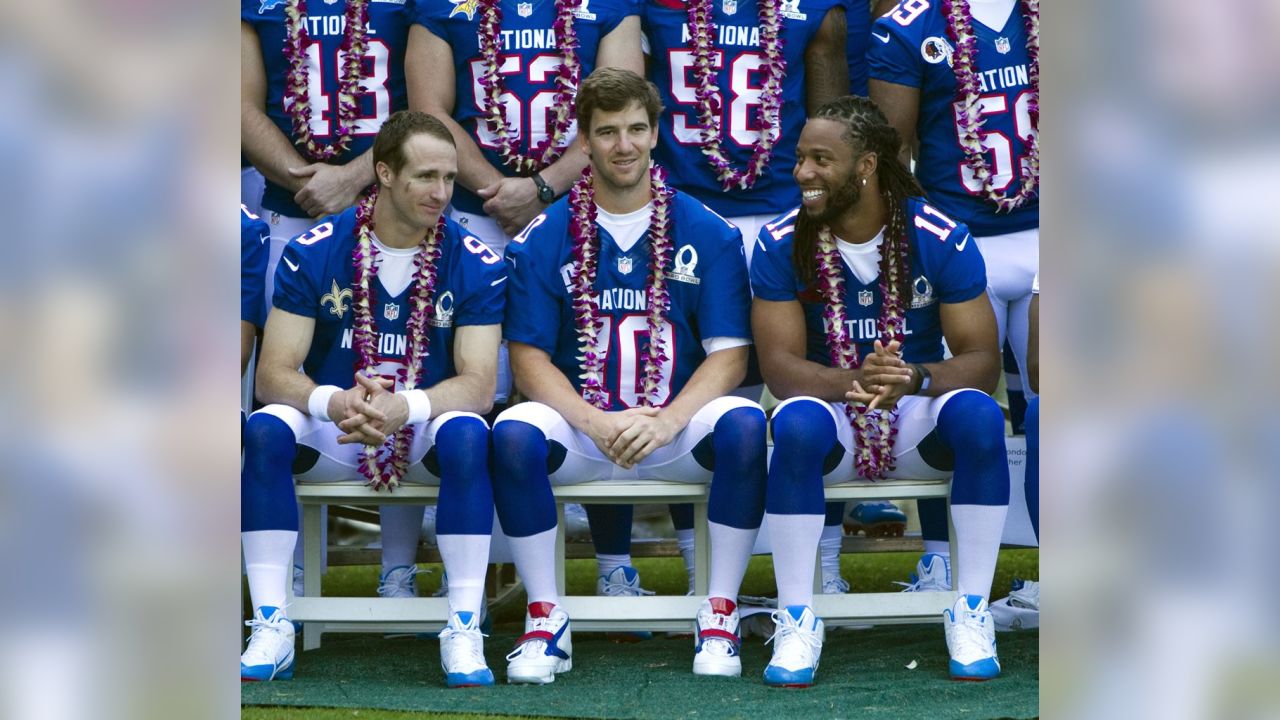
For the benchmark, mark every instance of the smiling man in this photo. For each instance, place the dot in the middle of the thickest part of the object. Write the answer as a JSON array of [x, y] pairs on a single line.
[[855, 291], [412, 303], [628, 326]]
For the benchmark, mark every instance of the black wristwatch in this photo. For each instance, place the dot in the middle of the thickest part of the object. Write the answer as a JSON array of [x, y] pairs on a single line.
[[925, 377], [546, 194]]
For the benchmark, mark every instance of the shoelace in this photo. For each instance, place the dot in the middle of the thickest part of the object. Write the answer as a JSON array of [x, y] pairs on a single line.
[[787, 632], [399, 580], [720, 646], [533, 645], [921, 584], [474, 642], [613, 589], [835, 585], [264, 628], [970, 637]]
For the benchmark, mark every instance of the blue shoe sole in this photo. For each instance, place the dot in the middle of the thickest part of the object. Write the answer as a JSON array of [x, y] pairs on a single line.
[[286, 674], [985, 669], [480, 678], [788, 678]]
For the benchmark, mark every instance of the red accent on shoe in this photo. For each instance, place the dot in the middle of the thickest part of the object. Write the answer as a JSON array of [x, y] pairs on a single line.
[[541, 609], [722, 606], [718, 633], [535, 635]]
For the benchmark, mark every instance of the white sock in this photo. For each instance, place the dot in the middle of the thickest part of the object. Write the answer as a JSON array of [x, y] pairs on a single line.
[[829, 546], [466, 560], [401, 530], [938, 547], [978, 532], [535, 558], [795, 541], [268, 562], [684, 539], [606, 564], [730, 553]]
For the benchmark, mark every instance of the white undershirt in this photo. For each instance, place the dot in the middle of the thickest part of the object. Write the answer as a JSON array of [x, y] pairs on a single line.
[[863, 258], [626, 230], [395, 266], [992, 13]]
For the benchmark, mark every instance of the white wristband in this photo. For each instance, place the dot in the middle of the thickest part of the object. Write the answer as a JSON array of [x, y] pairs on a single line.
[[318, 402], [419, 406]]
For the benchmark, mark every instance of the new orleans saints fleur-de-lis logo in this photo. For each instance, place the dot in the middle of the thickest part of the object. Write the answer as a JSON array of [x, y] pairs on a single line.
[[337, 296]]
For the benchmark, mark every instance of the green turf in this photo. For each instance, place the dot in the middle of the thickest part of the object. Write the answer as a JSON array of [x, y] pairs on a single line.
[[862, 674]]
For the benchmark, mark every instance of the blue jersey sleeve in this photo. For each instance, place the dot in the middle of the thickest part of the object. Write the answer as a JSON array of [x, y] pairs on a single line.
[[893, 56], [254, 235], [962, 273], [302, 264], [773, 276], [430, 15], [724, 307], [534, 292], [486, 275]]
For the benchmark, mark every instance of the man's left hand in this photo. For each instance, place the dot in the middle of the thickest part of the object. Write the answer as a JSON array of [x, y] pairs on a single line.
[[888, 376], [646, 434], [512, 202], [330, 188]]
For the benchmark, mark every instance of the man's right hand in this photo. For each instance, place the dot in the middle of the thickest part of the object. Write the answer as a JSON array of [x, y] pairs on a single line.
[[351, 411], [605, 428]]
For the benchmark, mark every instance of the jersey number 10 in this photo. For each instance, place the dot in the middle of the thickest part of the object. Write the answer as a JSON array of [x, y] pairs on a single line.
[[630, 372]]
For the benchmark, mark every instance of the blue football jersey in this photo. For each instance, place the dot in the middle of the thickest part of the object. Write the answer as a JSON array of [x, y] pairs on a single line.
[[707, 281], [910, 47], [314, 279], [529, 58], [858, 22], [383, 75], [254, 235], [740, 58], [946, 267]]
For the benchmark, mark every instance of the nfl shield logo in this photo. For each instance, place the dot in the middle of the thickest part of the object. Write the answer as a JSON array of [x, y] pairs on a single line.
[[391, 311], [624, 265], [865, 298], [730, 7], [1002, 45], [524, 9]]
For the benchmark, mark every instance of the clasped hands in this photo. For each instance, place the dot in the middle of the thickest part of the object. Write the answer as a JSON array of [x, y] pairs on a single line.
[[886, 378], [629, 436], [368, 412]]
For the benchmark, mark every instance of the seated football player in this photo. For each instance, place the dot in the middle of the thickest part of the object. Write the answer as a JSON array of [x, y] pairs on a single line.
[[413, 303], [628, 326], [855, 291]]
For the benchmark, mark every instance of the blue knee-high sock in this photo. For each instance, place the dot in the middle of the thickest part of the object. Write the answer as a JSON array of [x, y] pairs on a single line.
[[1031, 483], [835, 514], [971, 425], [681, 515], [521, 491], [466, 494], [738, 478], [267, 500], [610, 528], [933, 519], [803, 434]]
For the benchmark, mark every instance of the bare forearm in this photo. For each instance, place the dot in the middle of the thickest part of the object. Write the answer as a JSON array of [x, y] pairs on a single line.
[[977, 369], [268, 148], [791, 376], [283, 385], [541, 381], [720, 373], [826, 67], [474, 170], [462, 393], [564, 172]]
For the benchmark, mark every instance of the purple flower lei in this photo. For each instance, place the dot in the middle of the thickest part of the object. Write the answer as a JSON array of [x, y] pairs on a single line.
[[702, 33], [586, 307], [296, 99], [567, 74], [385, 466], [969, 90], [874, 435]]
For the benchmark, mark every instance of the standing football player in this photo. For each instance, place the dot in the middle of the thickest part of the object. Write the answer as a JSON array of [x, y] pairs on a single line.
[[855, 291], [313, 148], [413, 303], [628, 326], [962, 78], [254, 235]]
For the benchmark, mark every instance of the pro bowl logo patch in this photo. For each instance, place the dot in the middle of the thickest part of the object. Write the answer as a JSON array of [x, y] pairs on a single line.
[[921, 293], [935, 50], [467, 7], [443, 316]]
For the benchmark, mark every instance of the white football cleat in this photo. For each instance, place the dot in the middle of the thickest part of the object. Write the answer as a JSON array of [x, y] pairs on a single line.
[[933, 573], [716, 640], [269, 655], [971, 639], [797, 647], [624, 581], [462, 652], [399, 582], [545, 649]]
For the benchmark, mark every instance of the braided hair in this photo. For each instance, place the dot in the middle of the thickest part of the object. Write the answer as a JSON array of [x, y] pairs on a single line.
[[866, 130]]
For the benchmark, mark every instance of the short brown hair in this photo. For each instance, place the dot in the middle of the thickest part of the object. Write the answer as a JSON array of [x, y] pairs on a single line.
[[612, 89], [388, 146]]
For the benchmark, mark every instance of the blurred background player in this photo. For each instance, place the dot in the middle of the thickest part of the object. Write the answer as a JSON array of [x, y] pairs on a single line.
[[972, 106], [314, 150], [254, 235], [650, 402], [426, 327], [839, 282]]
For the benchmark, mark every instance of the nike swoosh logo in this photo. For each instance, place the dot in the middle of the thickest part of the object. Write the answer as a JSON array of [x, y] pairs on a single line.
[[291, 265], [882, 38], [960, 245], [498, 281]]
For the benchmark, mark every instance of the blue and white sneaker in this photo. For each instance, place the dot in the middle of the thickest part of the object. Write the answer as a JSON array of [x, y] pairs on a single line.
[[398, 582], [797, 647], [545, 649], [971, 639], [462, 652], [716, 643], [623, 581], [877, 519], [1020, 610], [486, 620], [269, 655], [933, 573]]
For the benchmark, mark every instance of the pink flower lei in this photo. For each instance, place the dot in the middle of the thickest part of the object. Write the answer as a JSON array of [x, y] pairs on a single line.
[[874, 430], [586, 306], [567, 75], [702, 32], [969, 90], [385, 466], [296, 99]]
